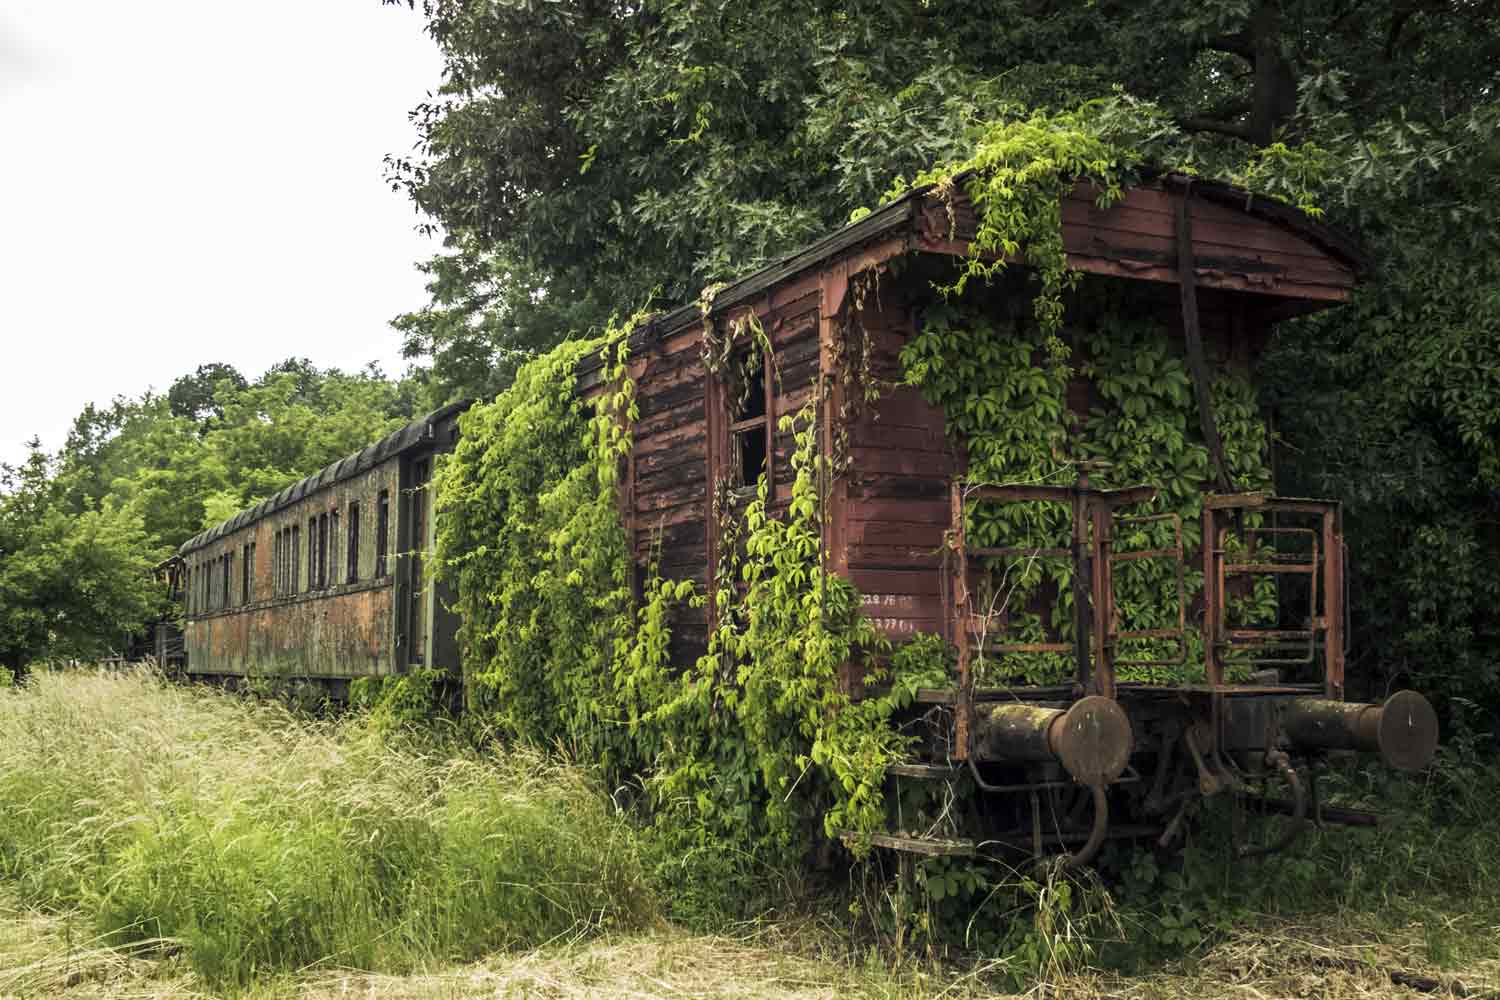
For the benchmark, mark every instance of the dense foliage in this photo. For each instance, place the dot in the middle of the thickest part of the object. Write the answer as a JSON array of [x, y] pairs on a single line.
[[73, 584], [746, 755], [580, 154], [1003, 384]]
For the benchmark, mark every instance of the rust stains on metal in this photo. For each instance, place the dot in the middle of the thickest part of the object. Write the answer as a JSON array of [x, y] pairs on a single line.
[[1091, 739]]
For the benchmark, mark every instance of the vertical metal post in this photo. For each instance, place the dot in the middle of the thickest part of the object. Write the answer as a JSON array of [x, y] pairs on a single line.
[[1083, 626], [960, 589], [1212, 598], [1333, 606], [1193, 339], [1104, 604]]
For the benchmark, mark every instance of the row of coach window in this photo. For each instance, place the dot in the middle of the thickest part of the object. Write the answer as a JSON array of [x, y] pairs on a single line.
[[295, 551]]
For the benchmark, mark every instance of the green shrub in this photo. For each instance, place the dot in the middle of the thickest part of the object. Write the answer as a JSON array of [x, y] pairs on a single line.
[[264, 842], [411, 699]]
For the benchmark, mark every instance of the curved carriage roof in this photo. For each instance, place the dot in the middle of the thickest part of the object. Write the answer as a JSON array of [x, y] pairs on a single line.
[[394, 443], [902, 214]]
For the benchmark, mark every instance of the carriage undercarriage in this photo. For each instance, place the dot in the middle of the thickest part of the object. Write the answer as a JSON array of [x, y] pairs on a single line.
[[1062, 768]]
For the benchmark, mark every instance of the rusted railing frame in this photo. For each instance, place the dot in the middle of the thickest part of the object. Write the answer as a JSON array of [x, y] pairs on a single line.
[[1092, 524], [1325, 567]]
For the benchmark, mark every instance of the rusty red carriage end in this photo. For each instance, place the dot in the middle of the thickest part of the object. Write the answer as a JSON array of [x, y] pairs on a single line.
[[1217, 268]]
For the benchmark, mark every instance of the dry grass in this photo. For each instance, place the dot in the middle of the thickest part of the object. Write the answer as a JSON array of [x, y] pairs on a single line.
[[1330, 959], [40, 956], [43, 955]]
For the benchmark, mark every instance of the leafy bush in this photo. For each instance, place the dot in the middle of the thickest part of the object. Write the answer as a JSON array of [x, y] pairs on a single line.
[[263, 842]]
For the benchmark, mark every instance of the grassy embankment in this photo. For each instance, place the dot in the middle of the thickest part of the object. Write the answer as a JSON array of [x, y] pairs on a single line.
[[163, 841], [258, 842]]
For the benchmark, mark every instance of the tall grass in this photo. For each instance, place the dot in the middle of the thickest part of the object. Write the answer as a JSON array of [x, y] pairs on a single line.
[[263, 842]]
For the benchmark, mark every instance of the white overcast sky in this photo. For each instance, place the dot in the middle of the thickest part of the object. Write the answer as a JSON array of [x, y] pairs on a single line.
[[188, 181]]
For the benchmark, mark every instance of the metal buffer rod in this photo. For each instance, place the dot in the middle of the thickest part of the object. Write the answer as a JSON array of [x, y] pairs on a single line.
[[1091, 740], [1403, 730]]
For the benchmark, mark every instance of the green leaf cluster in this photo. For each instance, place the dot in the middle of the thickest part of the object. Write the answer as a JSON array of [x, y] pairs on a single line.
[[73, 585]]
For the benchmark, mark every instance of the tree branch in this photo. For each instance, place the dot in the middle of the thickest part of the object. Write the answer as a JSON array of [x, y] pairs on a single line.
[[1239, 130], [1238, 44], [1393, 34]]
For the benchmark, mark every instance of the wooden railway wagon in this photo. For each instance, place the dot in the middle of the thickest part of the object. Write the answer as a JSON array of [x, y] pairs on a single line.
[[1217, 268], [325, 581]]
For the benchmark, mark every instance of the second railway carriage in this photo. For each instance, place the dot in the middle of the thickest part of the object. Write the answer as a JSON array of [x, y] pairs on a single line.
[[326, 580]]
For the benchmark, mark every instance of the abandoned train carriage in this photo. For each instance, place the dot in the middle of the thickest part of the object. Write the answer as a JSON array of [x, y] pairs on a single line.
[[325, 580], [1254, 262]]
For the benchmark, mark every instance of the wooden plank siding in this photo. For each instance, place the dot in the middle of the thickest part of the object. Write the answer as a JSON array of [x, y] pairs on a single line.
[[1135, 238], [901, 462]]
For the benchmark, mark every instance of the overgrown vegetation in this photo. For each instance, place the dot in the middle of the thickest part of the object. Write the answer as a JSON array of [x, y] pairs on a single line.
[[1432, 863], [580, 154], [1003, 381], [154, 823], [749, 755], [263, 843], [754, 752]]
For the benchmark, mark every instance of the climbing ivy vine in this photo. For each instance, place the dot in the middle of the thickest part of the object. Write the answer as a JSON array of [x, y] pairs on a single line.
[[753, 751], [1004, 390]]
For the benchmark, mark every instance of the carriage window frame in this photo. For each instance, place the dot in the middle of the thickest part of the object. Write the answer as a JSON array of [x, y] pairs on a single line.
[[331, 557], [322, 559], [751, 430], [353, 543], [382, 533]]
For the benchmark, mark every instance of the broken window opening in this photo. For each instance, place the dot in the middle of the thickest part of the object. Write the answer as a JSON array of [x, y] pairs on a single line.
[[353, 542], [750, 426]]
